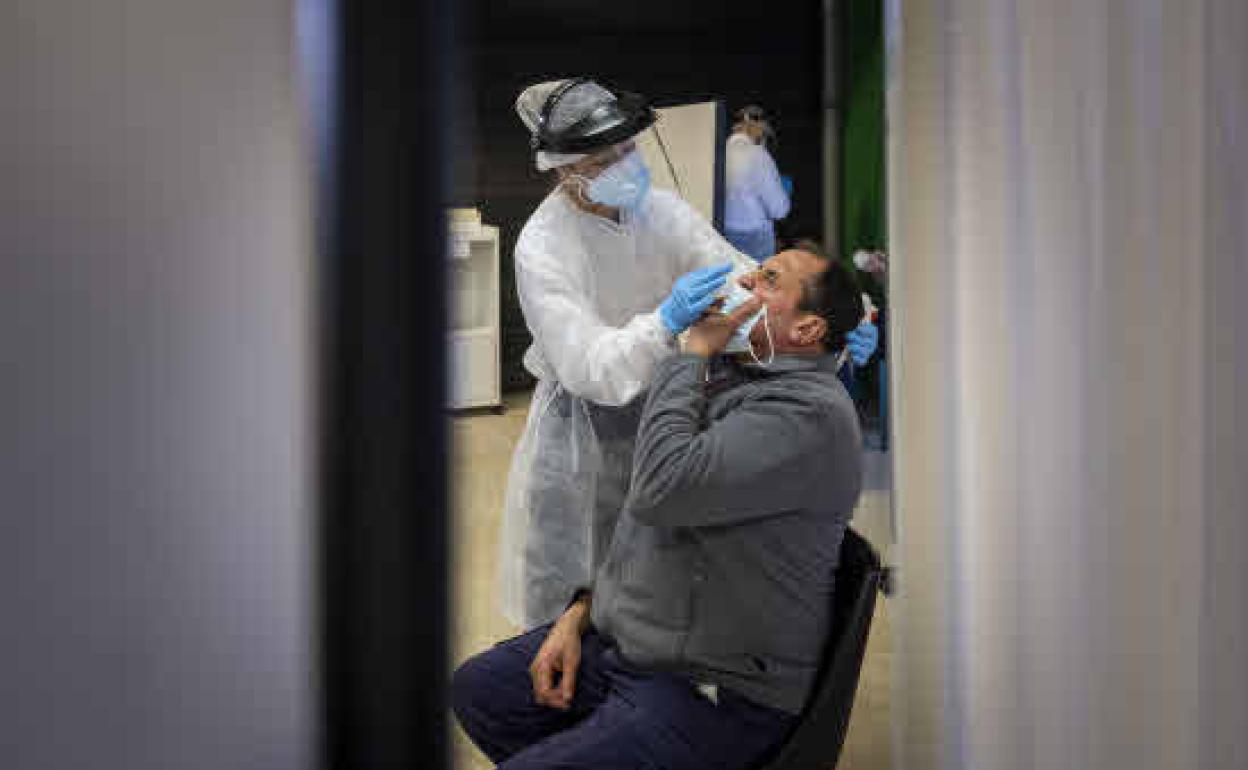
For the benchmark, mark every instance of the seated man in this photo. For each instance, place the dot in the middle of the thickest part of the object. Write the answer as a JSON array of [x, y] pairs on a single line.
[[700, 640]]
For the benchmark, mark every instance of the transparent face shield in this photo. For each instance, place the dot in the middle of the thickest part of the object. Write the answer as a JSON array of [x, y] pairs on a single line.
[[755, 119], [667, 159], [614, 160]]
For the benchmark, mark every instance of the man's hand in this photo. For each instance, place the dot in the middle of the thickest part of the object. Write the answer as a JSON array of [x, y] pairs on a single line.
[[711, 333], [560, 652]]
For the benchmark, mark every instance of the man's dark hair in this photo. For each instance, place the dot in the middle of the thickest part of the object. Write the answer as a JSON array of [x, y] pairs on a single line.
[[833, 295]]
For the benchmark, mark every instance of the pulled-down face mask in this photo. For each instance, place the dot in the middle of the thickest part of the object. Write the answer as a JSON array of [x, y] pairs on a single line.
[[740, 340]]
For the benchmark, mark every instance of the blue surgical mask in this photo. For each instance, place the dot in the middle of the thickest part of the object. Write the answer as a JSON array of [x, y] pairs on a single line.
[[622, 185], [740, 340]]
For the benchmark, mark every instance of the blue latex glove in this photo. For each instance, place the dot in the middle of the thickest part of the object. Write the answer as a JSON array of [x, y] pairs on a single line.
[[862, 342], [787, 183], [692, 294]]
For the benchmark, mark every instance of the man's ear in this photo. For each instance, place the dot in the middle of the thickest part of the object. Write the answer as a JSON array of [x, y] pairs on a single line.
[[808, 330]]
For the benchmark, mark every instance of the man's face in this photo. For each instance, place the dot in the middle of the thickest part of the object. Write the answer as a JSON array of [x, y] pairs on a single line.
[[780, 283]]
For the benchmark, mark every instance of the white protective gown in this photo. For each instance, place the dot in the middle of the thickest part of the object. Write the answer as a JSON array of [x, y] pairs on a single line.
[[590, 291], [754, 195]]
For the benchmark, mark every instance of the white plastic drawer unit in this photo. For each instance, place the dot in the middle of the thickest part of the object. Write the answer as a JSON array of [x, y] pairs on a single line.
[[475, 369]]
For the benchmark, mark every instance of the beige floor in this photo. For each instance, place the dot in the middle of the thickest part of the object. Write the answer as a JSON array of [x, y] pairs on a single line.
[[482, 451]]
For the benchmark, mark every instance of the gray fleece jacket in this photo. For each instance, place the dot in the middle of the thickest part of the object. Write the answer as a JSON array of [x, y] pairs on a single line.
[[721, 566]]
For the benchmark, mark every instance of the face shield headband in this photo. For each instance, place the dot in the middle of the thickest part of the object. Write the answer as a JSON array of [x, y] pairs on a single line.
[[609, 123]]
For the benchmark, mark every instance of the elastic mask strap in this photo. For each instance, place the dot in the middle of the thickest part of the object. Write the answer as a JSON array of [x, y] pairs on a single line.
[[680, 189], [771, 345], [581, 188], [541, 137]]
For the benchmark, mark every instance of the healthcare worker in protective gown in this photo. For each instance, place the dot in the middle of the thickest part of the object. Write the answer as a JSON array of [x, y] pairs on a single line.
[[609, 273], [755, 193]]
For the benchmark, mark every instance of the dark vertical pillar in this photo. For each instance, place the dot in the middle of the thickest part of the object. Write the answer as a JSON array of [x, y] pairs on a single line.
[[384, 533], [721, 163], [831, 103]]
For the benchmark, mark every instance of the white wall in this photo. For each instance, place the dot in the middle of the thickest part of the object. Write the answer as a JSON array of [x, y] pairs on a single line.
[[155, 421], [689, 131]]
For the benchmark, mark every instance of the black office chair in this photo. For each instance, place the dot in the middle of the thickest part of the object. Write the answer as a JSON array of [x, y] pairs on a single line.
[[815, 744]]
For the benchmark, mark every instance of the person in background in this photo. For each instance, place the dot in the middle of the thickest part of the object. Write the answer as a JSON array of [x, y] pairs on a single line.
[[756, 194], [867, 383], [698, 642], [874, 262]]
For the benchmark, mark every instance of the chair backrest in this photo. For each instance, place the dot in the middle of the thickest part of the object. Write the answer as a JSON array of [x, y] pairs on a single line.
[[815, 744]]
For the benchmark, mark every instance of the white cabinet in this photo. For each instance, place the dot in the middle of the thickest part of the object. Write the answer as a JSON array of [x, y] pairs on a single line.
[[475, 369]]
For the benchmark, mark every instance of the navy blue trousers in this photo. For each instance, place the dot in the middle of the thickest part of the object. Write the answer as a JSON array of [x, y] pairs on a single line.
[[621, 718]]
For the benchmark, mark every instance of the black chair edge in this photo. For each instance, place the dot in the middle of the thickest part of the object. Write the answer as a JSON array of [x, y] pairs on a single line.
[[816, 742]]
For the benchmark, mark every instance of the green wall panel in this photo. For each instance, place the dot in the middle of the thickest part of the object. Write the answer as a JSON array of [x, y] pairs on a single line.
[[862, 214]]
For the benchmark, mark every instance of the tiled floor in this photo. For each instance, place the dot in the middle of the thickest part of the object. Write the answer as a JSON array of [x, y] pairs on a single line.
[[483, 444]]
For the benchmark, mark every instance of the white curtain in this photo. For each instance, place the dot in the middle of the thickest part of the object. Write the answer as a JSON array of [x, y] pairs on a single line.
[[1068, 184]]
